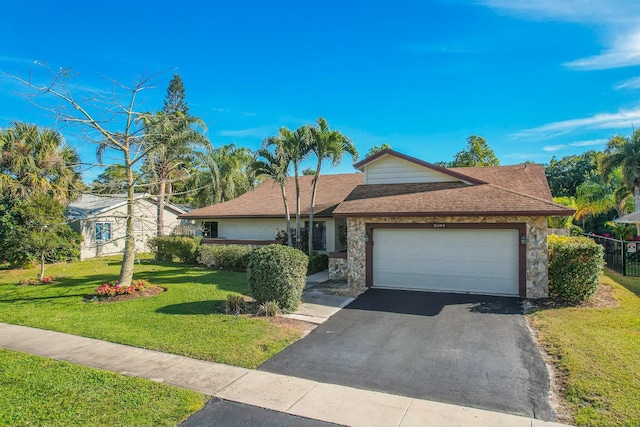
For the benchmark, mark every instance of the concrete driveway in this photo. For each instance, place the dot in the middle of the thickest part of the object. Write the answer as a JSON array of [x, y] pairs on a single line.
[[463, 349]]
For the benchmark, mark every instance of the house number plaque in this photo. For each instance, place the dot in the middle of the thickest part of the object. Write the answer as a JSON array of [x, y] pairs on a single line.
[[438, 225]]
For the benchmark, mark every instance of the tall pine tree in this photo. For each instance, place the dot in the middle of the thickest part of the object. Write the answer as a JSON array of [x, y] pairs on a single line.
[[172, 132], [176, 99]]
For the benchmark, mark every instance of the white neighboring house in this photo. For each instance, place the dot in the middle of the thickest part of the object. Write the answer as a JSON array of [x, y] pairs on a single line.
[[101, 220]]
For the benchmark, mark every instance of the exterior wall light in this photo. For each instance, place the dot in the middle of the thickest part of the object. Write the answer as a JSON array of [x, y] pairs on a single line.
[[523, 239]]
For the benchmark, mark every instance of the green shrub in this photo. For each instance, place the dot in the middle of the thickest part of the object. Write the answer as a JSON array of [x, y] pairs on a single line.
[[234, 304], [575, 267], [268, 309], [225, 257], [277, 273], [166, 248], [317, 263]]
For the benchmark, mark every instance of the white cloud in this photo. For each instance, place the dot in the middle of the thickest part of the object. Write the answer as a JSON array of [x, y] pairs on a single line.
[[254, 132], [554, 147], [589, 142], [624, 52], [228, 110], [581, 11], [620, 120], [633, 83], [616, 20], [15, 59], [523, 156]]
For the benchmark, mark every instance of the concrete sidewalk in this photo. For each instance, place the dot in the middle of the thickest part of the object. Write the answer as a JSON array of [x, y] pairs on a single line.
[[316, 306], [311, 399]]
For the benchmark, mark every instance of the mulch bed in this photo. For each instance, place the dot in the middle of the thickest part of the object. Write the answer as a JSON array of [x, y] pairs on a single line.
[[603, 298], [251, 309], [145, 293]]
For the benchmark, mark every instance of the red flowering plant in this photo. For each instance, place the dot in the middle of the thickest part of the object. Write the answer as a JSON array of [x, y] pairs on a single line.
[[112, 289]]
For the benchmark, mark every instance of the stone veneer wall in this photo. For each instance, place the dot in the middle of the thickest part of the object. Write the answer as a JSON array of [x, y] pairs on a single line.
[[537, 279], [338, 269]]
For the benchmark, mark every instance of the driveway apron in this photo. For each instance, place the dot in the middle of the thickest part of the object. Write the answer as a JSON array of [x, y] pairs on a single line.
[[468, 350]]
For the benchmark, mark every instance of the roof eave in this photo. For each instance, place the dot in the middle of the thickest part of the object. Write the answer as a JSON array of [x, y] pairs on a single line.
[[454, 213], [277, 216]]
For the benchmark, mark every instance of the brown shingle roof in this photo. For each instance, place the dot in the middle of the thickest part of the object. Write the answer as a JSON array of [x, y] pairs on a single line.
[[497, 190], [443, 199], [525, 178], [266, 199]]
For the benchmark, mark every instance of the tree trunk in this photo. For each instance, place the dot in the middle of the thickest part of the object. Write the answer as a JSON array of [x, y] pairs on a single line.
[[313, 204], [295, 173], [42, 266], [128, 259], [287, 216], [160, 217]]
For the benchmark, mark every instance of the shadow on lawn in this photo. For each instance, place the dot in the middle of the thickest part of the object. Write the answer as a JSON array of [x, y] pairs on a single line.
[[45, 298], [196, 307], [629, 282]]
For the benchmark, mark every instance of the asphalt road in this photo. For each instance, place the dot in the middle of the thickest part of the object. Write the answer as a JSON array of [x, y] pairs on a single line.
[[463, 349], [222, 413]]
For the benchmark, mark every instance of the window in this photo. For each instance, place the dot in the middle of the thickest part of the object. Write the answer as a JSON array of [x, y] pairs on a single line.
[[137, 226], [103, 231], [209, 229], [319, 235]]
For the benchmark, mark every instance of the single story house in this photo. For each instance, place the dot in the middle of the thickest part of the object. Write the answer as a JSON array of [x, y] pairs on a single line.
[[254, 217], [414, 225], [101, 220]]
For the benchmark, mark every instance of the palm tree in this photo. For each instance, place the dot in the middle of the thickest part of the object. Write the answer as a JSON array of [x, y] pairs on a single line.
[[594, 197], [327, 145], [624, 153], [37, 161], [225, 175], [173, 137], [295, 146], [276, 166]]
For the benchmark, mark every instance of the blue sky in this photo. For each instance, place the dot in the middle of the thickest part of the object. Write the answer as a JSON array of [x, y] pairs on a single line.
[[536, 78]]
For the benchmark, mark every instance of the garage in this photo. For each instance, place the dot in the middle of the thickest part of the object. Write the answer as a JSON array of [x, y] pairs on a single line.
[[447, 259]]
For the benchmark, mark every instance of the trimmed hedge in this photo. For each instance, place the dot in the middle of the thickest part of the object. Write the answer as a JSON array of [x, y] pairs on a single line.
[[575, 267], [317, 263], [166, 248], [277, 273], [225, 257]]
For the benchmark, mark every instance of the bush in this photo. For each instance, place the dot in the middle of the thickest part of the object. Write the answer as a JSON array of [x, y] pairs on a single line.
[[317, 263], [268, 309], [277, 273], [234, 304], [166, 248], [575, 267], [225, 257], [112, 289]]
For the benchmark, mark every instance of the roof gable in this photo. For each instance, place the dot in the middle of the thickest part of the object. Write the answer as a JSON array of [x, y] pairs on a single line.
[[390, 167]]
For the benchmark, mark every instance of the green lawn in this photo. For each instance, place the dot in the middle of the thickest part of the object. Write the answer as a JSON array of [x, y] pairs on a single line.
[[35, 391], [599, 351], [179, 321]]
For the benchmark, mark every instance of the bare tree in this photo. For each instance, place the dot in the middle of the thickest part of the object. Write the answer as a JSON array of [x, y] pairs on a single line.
[[108, 120]]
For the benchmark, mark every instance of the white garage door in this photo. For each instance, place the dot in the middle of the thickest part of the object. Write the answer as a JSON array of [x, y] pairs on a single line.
[[475, 261]]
